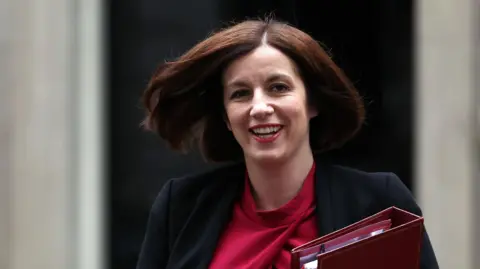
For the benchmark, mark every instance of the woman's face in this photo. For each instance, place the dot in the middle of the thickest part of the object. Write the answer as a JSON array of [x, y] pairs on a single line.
[[266, 105]]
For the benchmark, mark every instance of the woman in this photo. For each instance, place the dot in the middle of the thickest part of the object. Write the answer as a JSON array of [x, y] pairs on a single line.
[[262, 96]]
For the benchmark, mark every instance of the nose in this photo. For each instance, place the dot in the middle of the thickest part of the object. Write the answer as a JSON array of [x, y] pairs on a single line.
[[260, 106]]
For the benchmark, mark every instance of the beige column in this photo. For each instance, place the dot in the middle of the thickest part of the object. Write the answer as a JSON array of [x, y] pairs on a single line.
[[50, 134], [447, 134], [5, 135]]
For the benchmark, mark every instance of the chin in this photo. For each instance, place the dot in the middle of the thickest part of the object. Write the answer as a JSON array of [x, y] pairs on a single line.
[[267, 157]]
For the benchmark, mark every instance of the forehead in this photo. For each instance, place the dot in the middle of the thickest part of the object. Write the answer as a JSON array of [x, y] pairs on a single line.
[[258, 64]]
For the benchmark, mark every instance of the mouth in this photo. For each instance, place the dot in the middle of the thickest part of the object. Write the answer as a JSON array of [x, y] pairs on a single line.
[[266, 133]]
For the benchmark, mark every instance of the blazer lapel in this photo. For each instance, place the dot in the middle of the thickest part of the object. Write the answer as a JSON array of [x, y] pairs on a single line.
[[221, 216], [334, 205], [207, 222], [324, 201]]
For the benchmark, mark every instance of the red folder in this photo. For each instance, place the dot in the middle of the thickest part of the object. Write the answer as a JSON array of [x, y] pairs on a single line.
[[389, 239]]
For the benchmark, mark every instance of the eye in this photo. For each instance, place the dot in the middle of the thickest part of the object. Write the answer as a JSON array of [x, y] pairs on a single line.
[[239, 93], [279, 87]]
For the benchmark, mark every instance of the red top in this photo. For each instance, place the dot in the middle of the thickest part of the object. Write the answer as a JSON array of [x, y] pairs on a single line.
[[263, 239]]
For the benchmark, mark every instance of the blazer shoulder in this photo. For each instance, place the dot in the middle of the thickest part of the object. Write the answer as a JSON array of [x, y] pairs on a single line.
[[365, 192], [181, 197], [386, 188], [359, 178], [196, 191], [206, 180]]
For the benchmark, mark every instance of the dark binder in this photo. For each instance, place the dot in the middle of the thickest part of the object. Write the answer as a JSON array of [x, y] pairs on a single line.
[[389, 239]]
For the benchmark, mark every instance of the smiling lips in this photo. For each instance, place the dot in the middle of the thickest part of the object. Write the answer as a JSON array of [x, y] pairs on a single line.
[[266, 133]]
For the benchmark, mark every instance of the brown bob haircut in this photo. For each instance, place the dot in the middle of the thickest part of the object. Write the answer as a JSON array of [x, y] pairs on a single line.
[[184, 99]]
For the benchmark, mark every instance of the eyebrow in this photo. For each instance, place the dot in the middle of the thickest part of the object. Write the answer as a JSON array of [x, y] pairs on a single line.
[[271, 78], [279, 76]]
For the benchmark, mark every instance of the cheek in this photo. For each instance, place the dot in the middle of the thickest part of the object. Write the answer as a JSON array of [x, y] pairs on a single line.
[[295, 110], [232, 117]]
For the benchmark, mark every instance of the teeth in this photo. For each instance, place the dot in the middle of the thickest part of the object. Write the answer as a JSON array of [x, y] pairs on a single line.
[[265, 135], [266, 130]]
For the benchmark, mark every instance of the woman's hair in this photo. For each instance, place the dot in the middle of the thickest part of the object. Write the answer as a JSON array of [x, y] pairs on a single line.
[[184, 98]]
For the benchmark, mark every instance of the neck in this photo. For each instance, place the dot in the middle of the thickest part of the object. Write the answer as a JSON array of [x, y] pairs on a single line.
[[275, 184]]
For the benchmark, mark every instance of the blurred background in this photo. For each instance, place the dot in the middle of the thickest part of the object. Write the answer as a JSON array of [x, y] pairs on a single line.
[[78, 175]]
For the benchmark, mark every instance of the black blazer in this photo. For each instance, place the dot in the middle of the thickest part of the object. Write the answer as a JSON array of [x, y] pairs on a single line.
[[190, 213]]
